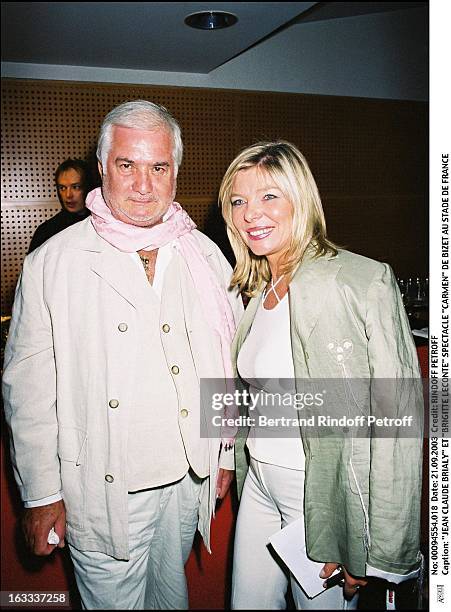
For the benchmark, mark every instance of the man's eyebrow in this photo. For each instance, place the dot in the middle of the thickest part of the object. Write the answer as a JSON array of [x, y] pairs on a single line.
[[131, 161]]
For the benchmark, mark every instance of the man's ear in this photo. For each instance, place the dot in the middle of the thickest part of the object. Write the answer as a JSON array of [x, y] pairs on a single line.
[[99, 166]]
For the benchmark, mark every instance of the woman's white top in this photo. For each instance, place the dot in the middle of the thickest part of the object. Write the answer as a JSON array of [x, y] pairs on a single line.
[[265, 362]]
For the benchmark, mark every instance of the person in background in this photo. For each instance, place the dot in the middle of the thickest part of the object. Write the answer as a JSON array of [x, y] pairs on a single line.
[[116, 321], [72, 180], [318, 315]]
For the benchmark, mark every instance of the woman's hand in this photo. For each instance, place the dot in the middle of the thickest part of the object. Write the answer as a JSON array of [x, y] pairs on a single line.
[[351, 583]]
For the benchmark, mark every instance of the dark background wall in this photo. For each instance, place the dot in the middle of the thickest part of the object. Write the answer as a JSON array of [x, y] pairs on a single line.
[[370, 159]]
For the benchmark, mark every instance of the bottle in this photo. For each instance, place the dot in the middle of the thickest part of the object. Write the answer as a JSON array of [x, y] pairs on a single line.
[[402, 287]]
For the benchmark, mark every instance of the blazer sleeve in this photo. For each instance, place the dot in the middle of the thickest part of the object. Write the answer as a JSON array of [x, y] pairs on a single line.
[[396, 451], [29, 387], [227, 458]]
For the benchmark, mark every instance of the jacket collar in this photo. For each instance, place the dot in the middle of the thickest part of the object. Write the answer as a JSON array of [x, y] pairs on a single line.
[[87, 239], [110, 264], [120, 272]]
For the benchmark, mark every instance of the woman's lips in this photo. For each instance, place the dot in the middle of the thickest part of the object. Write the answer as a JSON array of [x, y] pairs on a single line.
[[259, 233]]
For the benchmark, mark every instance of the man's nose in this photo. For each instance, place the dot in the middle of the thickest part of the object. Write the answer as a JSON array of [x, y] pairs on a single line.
[[143, 182]]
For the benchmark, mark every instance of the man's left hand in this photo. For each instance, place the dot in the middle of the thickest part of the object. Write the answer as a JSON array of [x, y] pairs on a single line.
[[223, 483], [352, 583]]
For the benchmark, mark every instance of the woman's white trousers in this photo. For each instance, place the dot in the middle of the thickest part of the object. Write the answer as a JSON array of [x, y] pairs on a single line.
[[272, 498]]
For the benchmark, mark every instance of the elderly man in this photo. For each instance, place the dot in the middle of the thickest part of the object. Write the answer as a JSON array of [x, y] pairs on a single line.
[[116, 320], [72, 180]]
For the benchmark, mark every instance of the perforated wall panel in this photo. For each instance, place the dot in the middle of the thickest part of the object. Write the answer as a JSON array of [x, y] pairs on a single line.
[[362, 152], [18, 225]]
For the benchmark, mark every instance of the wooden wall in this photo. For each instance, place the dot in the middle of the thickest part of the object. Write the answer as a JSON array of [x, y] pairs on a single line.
[[370, 159]]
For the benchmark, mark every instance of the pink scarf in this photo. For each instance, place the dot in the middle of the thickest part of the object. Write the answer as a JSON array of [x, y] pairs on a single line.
[[176, 224]]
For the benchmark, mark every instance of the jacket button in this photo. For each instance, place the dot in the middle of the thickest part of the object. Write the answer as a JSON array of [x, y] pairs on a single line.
[[184, 413], [166, 328], [109, 478], [122, 327], [175, 369], [113, 403]]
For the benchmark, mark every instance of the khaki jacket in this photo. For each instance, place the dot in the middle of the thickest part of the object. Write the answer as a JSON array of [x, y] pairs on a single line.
[[72, 376], [362, 494]]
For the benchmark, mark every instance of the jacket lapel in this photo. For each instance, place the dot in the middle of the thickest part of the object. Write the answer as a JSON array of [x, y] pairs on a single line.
[[117, 269], [121, 273], [311, 284], [244, 327]]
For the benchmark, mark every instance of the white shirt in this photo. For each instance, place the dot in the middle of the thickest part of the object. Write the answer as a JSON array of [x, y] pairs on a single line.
[[265, 361]]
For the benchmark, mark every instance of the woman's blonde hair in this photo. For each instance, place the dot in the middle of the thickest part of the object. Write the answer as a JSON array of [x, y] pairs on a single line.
[[290, 172]]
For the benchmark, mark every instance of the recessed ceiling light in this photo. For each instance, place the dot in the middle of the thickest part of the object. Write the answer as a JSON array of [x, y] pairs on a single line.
[[211, 20]]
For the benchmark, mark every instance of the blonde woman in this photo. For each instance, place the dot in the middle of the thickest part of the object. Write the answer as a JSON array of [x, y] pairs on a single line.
[[316, 312]]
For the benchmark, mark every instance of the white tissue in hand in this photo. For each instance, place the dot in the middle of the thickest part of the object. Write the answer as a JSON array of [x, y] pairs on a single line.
[[53, 537]]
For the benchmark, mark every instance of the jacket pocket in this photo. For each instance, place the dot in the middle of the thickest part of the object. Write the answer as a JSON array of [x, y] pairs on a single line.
[[73, 454]]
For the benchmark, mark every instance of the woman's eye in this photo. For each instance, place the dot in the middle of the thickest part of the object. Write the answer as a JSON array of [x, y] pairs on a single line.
[[269, 196], [237, 202]]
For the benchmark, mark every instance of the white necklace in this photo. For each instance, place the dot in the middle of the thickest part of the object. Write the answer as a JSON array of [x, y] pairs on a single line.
[[273, 289]]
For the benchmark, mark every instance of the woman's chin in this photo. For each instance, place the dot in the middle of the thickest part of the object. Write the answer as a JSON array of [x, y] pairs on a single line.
[[260, 250]]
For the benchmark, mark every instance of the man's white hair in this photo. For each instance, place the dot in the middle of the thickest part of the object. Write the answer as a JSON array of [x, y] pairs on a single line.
[[140, 115]]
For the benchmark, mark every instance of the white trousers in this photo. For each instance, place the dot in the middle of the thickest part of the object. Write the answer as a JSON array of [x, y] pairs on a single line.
[[272, 498], [162, 524]]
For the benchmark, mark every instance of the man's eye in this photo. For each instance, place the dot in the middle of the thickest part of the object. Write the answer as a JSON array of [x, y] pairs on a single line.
[[159, 169], [125, 166], [237, 202]]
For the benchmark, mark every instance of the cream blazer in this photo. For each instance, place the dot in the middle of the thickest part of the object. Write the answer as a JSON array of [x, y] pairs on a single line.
[[66, 359]]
